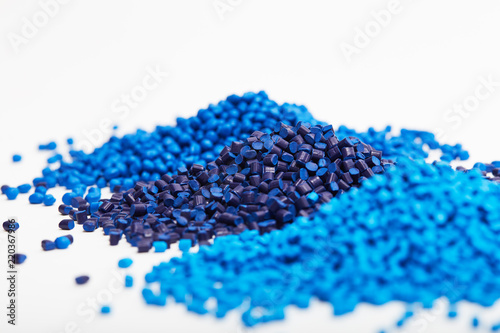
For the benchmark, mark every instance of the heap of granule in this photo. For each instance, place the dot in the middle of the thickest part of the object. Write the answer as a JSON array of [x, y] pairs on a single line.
[[262, 183], [405, 236], [121, 162]]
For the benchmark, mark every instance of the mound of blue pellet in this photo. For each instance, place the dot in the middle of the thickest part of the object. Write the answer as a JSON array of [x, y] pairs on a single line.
[[407, 235], [121, 162]]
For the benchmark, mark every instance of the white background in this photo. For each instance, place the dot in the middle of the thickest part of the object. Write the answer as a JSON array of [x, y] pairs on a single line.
[[67, 76]]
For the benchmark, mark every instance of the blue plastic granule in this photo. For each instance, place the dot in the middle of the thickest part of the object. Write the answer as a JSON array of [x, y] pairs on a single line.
[[82, 279], [105, 309], [4, 188], [67, 224], [55, 158], [36, 198], [495, 328], [160, 246], [49, 146], [12, 193], [10, 225], [19, 258], [125, 263], [129, 281], [89, 226], [49, 200], [24, 188], [41, 190], [16, 158], [185, 245], [416, 234], [62, 242], [68, 197], [475, 322], [48, 245]]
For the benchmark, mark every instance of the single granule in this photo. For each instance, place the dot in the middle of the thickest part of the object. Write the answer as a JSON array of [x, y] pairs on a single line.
[[62, 242], [24, 188], [36, 198], [410, 235], [129, 281], [125, 263], [48, 245], [19, 258], [82, 279], [10, 225], [12, 193]]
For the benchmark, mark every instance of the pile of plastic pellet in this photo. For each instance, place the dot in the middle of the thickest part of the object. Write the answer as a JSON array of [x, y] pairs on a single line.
[[400, 236], [262, 183], [121, 162], [248, 167]]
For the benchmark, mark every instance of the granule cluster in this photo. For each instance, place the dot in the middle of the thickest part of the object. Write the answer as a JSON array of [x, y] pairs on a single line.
[[405, 236]]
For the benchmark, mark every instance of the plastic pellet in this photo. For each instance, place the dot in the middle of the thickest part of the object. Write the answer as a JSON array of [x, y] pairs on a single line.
[[89, 226], [41, 189], [64, 209], [49, 146], [16, 158], [160, 246], [82, 279], [12, 193], [49, 200], [70, 237], [36, 198], [48, 245], [24, 188], [62, 242], [125, 263], [4, 188], [105, 309], [185, 245], [81, 216], [19, 258], [8, 225], [129, 281], [67, 224]]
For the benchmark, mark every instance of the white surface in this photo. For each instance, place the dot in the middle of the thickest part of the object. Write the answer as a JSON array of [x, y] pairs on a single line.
[[71, 74]]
